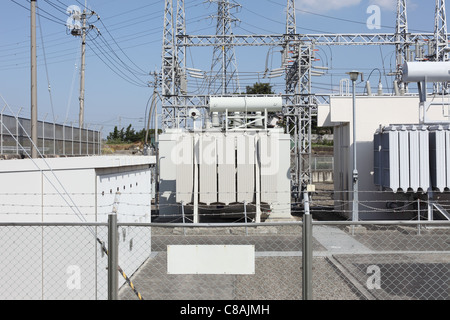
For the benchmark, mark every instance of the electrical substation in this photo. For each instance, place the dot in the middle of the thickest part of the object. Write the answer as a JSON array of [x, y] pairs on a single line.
[[233, 130], [224, 201]]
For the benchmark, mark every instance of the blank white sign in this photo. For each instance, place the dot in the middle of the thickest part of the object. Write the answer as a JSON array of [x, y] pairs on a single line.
[[211, 259]]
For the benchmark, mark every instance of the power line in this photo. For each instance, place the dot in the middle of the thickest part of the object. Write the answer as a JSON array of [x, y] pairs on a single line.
[[55, 19], [116, 71], [104, 26], [113, 55]]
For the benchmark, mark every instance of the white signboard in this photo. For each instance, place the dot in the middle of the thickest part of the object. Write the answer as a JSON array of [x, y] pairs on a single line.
[[211, 259]]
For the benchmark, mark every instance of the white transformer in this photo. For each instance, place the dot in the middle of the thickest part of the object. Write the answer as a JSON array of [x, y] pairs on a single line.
[[229, 170]]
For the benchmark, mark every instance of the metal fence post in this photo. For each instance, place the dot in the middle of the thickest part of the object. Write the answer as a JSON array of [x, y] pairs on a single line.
[[307, 251], [1, 130], [418, 215], [113, 254], [183, 216], [17, 130], [245, 216], [43, 133]]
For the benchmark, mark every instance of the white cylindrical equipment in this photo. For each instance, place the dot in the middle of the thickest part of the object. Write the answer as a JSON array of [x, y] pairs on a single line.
[[215, 119], [369, 89], [426, 71], [245, 104]]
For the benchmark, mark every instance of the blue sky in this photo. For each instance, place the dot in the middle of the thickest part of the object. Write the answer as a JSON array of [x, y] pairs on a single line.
[[133, 30]]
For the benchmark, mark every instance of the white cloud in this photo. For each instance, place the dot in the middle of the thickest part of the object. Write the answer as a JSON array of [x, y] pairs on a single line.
[[325, 5]]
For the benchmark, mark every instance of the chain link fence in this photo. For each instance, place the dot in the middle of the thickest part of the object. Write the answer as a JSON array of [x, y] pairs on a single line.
[[376, 260], [322, 163], [53, 138]]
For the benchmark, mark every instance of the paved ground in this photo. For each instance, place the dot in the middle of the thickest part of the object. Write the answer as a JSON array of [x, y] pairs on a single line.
[[410, 265]]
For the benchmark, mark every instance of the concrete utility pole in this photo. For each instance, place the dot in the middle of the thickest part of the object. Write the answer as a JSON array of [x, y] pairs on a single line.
[[83, 68], [34, 136], [82, 31]]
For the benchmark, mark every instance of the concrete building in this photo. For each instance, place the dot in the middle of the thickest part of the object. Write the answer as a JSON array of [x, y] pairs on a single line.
[[372, 113], [70, 190]]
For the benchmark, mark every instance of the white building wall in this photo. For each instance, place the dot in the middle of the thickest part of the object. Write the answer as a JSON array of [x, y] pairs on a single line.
[[371, 113], [67, 263]]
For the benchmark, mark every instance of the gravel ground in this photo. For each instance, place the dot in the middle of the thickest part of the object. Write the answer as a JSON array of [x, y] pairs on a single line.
[[275, 278], [410, 264], [278, 268]]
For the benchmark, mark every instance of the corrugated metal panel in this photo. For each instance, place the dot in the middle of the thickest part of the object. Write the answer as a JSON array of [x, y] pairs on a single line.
[[268, 161], [245, 168], [208, 170], [424, 158], [390, 158], [226, 169], [282, 207], [437, 157], [377, 158], [411, 157], [167, 173], [414, 159], [447, 155], [403, 144], [183, 158]]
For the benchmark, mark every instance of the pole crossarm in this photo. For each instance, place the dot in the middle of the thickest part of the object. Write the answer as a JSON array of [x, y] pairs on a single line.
[[316, 39]]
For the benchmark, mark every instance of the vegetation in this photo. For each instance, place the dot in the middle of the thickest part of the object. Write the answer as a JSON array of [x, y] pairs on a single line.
[[128, 135], [260, 88]]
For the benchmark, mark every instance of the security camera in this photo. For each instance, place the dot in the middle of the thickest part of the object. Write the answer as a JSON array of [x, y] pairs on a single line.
[[194, 114]]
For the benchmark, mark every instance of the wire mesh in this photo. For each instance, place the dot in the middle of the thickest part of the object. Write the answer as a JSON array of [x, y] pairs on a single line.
[[385, 261], [277, 272], [380, 260]]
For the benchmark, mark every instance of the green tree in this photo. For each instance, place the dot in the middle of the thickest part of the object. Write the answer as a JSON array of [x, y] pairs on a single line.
[[260, 88], [114, 135], [128, 135]]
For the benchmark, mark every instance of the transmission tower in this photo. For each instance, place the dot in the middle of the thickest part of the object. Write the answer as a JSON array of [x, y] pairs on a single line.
[[401, 38], [440, 32], [180, 73], [291, 25], [168, 67], [224, 71], [299, 102], [297, 59]]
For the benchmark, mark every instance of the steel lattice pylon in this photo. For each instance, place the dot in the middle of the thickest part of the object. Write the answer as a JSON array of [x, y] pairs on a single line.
[[440, 31], [402, 36], [224, 77], [300, 103]]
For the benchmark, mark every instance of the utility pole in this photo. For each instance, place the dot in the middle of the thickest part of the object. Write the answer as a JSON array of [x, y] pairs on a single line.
[[83, 67], [81, 29], [34, 136]]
